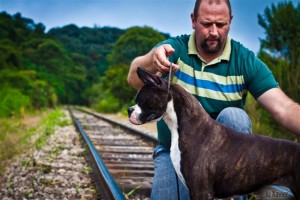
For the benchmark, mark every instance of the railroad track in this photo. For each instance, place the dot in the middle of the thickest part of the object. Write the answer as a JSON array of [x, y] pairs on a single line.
[[121, 156]]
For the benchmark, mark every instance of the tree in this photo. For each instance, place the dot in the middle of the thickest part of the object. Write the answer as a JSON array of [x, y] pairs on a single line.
[[134, 42], [280, 51], [95, 42], [281, 24], [10, 56]]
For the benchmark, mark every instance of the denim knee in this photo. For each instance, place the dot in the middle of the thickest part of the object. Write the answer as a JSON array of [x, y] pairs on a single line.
[[235, 118]]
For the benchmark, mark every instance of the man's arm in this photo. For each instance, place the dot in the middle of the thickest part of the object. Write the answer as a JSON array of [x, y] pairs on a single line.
[[283, 109], [156, 61], [145, 61]]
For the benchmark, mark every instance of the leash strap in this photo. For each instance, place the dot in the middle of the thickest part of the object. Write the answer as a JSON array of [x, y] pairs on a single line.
[[170, 76], [177, 182]]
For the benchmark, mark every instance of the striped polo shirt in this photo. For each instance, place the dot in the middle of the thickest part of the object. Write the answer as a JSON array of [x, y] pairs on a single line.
[[223, 82]]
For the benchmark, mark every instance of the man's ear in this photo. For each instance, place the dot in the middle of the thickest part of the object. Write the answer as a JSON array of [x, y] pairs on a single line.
[[193, 19], [148, 78]]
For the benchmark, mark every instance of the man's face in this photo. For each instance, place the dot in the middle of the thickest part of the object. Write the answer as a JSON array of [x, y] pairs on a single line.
[[211, 26]]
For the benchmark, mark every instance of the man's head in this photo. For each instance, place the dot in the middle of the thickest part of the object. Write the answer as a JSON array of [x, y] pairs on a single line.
[[211, 20]]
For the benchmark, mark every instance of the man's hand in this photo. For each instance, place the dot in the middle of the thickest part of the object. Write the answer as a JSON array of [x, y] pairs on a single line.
[[155, 61], [160, 59]]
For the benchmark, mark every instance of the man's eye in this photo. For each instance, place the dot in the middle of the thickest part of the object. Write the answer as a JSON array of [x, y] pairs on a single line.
[[206, 25], [209, 24], [220, 25]]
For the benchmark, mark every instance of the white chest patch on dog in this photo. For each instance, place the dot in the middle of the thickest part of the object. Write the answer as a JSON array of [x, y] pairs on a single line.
[[171, 119]]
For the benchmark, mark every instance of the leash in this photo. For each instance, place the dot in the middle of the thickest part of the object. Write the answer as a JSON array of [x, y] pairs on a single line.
[[177, 182], [169, 84], [170, 76]]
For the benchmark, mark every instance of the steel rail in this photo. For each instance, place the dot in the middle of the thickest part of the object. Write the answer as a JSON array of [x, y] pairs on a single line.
[[111, 191], [132, 130]]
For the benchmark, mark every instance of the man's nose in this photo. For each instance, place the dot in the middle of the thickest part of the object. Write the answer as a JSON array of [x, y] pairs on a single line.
[[213, 29]]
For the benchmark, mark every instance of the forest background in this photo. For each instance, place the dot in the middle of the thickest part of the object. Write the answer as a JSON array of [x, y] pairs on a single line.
[[89, 66]]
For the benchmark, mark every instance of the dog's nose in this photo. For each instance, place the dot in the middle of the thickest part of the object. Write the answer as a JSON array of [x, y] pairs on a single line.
[[130, 110]]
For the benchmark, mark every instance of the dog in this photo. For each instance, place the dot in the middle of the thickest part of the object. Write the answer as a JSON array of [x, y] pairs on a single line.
[[212, 160]]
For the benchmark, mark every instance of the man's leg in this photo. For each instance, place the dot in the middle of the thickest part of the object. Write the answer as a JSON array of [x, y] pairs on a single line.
[[237, 119], [166, 185]]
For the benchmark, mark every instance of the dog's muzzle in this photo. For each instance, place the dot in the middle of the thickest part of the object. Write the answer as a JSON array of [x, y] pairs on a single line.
[[133, 116]]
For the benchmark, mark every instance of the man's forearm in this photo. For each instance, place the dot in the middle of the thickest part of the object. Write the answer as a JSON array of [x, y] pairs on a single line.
[[144, 61], [292, 122], [282, 108]]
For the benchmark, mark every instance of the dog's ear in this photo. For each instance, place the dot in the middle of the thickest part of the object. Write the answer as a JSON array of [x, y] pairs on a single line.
[[148, 78]]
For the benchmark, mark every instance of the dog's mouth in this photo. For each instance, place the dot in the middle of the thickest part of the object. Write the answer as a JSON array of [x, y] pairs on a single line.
[[135, 122], [136, 119], [133, 116], [151, 117]]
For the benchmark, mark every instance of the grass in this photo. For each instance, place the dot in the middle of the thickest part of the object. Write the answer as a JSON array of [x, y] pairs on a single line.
[[263, 123], [16, 134]]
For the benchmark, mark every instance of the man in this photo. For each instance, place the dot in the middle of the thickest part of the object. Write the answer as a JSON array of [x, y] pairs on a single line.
[[219, 72]]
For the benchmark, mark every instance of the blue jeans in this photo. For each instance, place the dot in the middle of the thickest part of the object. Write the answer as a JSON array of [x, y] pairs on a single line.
[[165, 181]]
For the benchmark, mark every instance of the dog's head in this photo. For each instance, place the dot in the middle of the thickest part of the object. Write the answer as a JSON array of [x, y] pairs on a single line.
[[152, 99]]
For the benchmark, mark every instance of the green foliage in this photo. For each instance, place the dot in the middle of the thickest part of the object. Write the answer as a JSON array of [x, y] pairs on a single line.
[[10, 56], [116, 80], [26, 82], [48, 125], [16, 135], [263, 123], [95, 43], [281, 24], [116, 93], [70, 65], [12, 101], [85, 61], [134, 42], [57, 68], [108, 104], [92, 94], [280, 51], [57, 75]]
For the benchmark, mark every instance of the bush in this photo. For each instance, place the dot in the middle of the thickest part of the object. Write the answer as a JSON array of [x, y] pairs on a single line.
[[12, 102], [264, 124], [108, 105]]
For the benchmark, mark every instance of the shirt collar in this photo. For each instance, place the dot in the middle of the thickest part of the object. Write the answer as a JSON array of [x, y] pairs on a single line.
[[224, 56]]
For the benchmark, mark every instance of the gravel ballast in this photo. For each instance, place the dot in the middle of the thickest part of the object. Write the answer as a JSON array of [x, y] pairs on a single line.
[[56, 171]]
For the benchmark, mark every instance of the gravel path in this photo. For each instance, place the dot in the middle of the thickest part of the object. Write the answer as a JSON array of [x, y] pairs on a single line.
[[57, 171]]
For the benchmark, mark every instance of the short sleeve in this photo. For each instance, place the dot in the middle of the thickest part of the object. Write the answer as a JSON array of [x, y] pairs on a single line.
[[259, 77]]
